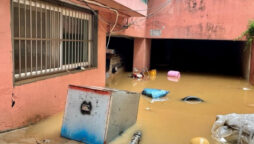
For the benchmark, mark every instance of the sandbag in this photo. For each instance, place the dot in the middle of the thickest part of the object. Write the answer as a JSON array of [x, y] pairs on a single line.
[[154, 93], [234, 129]]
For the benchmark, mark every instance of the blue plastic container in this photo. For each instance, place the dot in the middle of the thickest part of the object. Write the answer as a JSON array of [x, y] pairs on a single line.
[[154, 93]]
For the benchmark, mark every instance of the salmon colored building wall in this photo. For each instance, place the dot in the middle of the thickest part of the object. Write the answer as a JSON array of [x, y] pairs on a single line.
[[194, 19], [200, 19], [142, 49], [39, 99], [136, 5]]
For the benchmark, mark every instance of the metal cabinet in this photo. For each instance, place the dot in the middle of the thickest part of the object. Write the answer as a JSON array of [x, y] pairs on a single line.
[[96, 115]]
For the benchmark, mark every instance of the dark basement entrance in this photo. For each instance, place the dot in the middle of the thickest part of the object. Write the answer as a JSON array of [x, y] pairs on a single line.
[[119, 55], [199, 56]]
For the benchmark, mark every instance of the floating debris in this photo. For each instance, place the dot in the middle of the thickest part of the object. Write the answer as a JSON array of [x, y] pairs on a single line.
[[158, 100], [199, 140], [46, 141], [174, 76], [152, 72], [154, 93], [246, 89], [234, 128], [42, 141], [136, 138], [192, 99]]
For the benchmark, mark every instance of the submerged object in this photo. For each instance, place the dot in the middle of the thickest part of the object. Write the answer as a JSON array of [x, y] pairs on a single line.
[[158, 100], [154, 93], [136, 138], [152, 74], [234, 128], [96, 115], [246, 89], [173, 79], [192, 99], [199, 140], [137, 75]]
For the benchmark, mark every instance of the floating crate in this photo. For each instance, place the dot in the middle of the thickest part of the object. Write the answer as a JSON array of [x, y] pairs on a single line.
[[96, 115]]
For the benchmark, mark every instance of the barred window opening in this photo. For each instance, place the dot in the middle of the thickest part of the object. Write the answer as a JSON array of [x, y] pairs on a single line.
[[49, 38]]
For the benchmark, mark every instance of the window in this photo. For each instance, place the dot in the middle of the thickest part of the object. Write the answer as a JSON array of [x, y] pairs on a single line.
[[49, 38]]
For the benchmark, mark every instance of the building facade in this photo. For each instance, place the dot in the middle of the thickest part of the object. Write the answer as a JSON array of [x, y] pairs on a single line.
[[47, 45]]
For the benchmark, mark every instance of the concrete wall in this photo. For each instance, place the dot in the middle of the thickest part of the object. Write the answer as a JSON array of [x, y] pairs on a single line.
[[142, 52], [36, 100], [200, 19]]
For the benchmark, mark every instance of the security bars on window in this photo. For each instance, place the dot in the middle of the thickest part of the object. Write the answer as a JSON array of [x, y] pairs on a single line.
[[49, 38]]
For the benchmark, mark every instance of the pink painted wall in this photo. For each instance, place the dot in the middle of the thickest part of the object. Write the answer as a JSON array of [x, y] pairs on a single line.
[[142, 51], [200, 19], [136, 29], [193, 19], [129, 7], [6, 87], [39, 99], [136, 5]]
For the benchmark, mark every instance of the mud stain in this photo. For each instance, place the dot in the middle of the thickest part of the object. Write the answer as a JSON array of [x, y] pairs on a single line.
[[195, 5]]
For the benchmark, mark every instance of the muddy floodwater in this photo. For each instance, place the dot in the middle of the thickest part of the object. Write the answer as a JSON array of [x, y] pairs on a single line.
[[165, 122]]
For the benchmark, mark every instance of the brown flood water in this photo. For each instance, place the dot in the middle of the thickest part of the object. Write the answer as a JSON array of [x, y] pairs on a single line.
[[168, 122]]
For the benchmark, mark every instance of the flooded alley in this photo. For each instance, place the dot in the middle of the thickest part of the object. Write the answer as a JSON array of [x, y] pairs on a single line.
[[174, 121], [126, 72], [162, 122]]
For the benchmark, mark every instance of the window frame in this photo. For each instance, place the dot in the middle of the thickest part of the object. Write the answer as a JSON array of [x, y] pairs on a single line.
[[92, 36]]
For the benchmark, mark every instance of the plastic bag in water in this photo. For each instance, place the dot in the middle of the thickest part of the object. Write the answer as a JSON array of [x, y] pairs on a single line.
[[234, 129]]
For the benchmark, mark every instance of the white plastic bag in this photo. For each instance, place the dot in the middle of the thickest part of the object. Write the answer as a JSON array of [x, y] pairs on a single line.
[[234, 129]]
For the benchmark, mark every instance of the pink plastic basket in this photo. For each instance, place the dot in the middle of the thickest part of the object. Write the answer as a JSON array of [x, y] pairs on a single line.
[[175, 74]]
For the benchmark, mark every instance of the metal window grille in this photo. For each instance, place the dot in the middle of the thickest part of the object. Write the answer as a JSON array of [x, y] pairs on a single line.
[[49, 38]]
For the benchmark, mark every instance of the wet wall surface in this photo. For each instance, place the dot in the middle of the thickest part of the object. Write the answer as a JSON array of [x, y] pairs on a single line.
[[203, 56]]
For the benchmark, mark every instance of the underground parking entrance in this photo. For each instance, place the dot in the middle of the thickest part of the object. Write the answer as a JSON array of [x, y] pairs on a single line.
[[119, 55], [218, 57]]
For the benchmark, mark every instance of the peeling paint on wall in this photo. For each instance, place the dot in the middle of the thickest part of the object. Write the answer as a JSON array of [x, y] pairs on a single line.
[[195, 5], [214, 29], [205, 30]]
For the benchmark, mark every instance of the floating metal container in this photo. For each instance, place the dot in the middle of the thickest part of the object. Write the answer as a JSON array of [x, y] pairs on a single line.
[[96, 115]]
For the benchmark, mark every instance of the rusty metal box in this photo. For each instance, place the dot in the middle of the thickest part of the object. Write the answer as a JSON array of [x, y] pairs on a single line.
[[96, 115]]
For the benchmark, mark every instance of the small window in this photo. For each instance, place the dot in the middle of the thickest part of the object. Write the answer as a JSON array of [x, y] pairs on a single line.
[[49, 38]]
